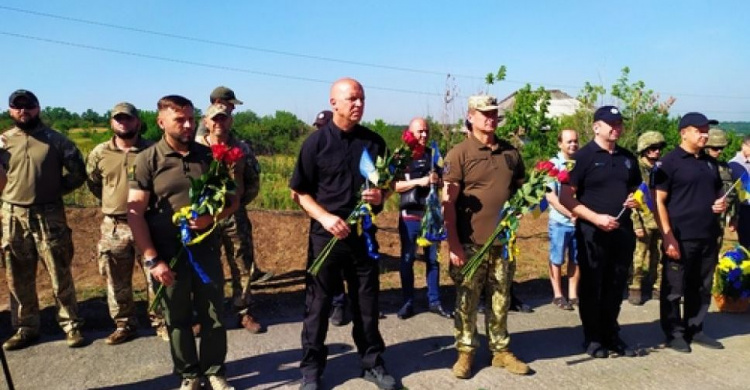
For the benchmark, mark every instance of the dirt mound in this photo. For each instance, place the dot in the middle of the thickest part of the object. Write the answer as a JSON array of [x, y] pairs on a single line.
[[280, 246]]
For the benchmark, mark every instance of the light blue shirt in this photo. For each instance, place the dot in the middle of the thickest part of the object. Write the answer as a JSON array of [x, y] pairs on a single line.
[[554, 185]]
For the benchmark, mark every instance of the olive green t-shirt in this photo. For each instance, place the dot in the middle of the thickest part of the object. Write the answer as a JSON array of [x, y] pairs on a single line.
[[107, 168], [487, 178], [165, 174]]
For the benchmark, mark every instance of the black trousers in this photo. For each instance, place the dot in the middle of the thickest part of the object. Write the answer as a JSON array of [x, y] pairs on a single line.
[[604, 259], [690, 277], [349, 260]]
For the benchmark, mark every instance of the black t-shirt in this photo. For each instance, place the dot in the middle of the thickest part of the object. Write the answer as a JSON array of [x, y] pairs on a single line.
[[327, 168], [692, 184], [603, 180]]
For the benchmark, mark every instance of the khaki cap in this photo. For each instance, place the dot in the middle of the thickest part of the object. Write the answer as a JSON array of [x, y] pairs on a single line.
[[483, 103], [124, 108], [216, 109], [225, 94]]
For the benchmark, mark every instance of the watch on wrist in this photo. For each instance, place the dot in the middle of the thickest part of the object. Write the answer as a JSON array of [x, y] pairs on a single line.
[[151, 263]]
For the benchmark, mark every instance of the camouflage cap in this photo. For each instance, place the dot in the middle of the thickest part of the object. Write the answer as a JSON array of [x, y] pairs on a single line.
[[717, 138], [225, 94], [649, 139], [124, 108], [217, 109], [483, 103]]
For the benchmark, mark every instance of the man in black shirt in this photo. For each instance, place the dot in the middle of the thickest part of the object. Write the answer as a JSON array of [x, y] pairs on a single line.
[[688, 201], [326, 183], [603, 179]]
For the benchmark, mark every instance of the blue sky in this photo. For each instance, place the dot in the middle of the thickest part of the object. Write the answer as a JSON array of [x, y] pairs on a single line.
[[694, 50]]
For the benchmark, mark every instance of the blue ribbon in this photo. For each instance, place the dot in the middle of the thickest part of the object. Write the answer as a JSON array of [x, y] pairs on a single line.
[[736, 255], [185, 238], [367, 230]]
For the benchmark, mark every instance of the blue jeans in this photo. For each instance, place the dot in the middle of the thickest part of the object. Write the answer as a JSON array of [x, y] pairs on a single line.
[[409, 231], [561, 237]]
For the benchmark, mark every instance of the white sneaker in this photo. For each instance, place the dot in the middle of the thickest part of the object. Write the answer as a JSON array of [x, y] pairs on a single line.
[[219, 383], [190, 384]]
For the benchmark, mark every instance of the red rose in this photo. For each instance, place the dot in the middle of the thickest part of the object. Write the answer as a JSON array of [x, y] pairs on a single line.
[[218, 151], [409, 139], [544, 166], [553, 172], [233, 155], [563, 177]]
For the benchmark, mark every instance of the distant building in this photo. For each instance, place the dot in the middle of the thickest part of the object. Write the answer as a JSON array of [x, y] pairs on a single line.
[[560, 103]]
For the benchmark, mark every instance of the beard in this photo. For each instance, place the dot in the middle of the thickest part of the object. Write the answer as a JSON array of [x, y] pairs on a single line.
[[29, 124], [126, 134]]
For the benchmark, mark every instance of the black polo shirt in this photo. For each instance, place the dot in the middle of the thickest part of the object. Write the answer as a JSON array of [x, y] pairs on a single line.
[[327, 168], [603, 180], [692, 184]]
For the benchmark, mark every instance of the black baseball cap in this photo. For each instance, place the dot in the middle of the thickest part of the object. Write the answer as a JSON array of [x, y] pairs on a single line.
[[608, 115], [23, 94], [696, 119], [322, 118]]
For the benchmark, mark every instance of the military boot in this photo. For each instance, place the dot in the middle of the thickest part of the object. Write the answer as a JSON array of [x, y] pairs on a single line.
[[506, 359], [21, 339], [462, 368], [634, 297]]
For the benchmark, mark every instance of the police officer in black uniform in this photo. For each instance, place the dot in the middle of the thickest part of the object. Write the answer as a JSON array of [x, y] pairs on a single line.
[[603, 179], [326, 183], [689, 202]]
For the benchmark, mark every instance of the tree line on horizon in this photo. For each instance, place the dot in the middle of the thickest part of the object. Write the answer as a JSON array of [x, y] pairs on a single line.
[[526, 124]]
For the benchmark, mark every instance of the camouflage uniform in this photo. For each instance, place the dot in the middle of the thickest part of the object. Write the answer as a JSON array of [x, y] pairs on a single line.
[[717, 138], [494, 277], [236, 231], [107, 168], [647, 255], [42, 166], [487, 178]]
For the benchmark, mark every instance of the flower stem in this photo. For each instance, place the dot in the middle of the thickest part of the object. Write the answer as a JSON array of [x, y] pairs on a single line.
[[160, 291], [317, 264]]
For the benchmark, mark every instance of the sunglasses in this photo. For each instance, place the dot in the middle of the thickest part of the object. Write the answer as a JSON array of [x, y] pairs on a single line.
[[716, 149], [24, 106]]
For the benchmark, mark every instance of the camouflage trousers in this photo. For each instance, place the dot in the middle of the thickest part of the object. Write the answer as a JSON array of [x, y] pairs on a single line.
[[494, 276], [117, 257], [30, 234], [647, 261], [236, 234]]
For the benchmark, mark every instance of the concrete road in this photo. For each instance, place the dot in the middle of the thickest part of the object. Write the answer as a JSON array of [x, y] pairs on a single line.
[[419, 352]]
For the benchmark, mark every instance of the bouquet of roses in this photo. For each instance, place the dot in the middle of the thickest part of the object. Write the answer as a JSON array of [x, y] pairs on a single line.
[[732, 276], [379, 174], [528, 198], [207, 196]]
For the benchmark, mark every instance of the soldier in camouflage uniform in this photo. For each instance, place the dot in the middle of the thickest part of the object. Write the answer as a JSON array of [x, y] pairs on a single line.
[[646, 268], [236, 230], [717, 141], [42, 165], [220, 95], [107, 168], [481, 174]]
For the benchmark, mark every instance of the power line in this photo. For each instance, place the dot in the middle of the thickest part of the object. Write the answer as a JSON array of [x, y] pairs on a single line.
[[234, 45], [319, 58], [201, 64]]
